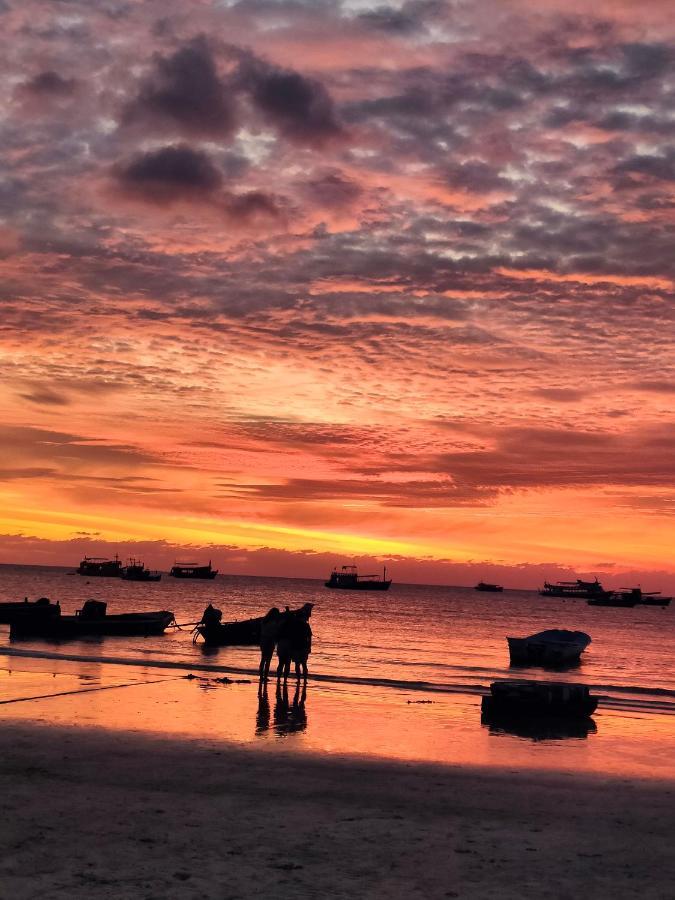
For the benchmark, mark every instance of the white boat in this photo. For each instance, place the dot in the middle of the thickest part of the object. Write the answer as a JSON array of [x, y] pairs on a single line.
[[555, 647]]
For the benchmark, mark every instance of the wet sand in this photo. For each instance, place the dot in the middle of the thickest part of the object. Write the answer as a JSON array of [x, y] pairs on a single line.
[[91, 813]]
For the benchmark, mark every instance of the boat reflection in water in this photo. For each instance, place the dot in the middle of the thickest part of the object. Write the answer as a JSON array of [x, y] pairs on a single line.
[[544, 729]]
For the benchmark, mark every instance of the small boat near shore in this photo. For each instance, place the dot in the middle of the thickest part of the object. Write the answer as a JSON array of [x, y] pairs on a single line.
[[554, 647], [135, 571], [16, 609], [490, 588], [536, 699], [574, 590], [100, 567], [192, 570], [245, 633], [348, 579], [91, 620]]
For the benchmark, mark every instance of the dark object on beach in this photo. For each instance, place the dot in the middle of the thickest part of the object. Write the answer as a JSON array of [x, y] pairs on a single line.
[[348, 579], [629, 597], [99, 567], [238, 634], [192, 570], [135, 571], [491, 588], [537, 699], [91, 620], [11, 611], [554, 647], [577, 590]]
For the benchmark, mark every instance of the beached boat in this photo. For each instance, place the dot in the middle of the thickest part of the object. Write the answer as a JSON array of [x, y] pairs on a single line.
[[135, 571], [575, 590], [348, 579], [18, 608], [554, 647], [245, 633], [491, 588], [91, 620], [100, 567], [192, 570], [539, 699]]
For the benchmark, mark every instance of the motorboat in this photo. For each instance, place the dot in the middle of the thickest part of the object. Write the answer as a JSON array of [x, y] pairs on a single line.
[[554, 647], [490, 588], [91, 620], [16, 609], [348, 579]]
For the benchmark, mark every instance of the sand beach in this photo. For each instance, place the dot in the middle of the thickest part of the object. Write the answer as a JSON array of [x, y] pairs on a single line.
[[121, 783], [98, 814]]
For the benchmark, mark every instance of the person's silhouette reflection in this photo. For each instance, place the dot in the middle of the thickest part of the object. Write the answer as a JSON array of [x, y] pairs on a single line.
[[262, 719], [290, 717]]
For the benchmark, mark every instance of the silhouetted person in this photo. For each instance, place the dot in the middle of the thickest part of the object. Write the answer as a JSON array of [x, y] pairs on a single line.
[[269, 628], [284, 644], [211, 616], [301, 643]]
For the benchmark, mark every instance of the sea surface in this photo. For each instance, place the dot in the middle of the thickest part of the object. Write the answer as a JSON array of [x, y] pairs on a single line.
[[433, 649]]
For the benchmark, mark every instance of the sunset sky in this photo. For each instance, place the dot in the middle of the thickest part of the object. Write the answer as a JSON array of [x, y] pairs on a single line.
[[287, 284]]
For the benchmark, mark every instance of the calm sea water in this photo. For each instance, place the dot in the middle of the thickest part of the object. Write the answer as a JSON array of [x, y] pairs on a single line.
[[420, 638]]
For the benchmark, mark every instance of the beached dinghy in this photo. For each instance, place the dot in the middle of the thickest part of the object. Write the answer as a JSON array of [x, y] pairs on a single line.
[[91, 621], [554, 647], [538, 699]]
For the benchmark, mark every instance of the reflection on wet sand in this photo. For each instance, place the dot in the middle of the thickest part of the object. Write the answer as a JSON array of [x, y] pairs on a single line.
[[541, 729], [289, 717]]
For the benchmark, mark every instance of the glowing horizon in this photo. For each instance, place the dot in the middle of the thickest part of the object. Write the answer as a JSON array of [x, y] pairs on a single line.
[[390, 282]]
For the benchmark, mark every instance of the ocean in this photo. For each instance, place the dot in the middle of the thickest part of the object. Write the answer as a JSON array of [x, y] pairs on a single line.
[[428, 647]]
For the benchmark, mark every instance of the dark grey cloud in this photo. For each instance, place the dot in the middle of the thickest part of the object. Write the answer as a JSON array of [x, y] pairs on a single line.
[[176, 172], [300, 108], [186, 93], [49, 83]]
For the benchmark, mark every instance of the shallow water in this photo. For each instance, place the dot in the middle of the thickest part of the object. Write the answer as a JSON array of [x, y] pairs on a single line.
[[397, 675]]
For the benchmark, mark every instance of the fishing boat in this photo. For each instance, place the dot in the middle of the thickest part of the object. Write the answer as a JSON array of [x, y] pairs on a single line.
[[630, 597], [192, 570], [17, 608], [348, 579], [91, 620], [100, 567], [135, 571], [491, 588], [245, 633], [576, 590], [554, 647], [536, 699]]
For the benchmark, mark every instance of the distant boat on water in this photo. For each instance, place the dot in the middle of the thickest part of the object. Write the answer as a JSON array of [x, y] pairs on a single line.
[[576, 590], [629, 597], [135, 571], [192, 570], [100, 567], [491, 588], [348, 579]]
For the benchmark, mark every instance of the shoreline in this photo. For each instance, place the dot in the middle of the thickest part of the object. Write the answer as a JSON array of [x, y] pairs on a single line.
[[99, 813]]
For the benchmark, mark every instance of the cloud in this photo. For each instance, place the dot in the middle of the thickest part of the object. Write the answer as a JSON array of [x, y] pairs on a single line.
[[170, 174], [184, 92], [300, 108]]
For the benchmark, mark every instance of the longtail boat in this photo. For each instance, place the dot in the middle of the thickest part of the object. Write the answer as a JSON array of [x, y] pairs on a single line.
[[245, 633], [91, 620]]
